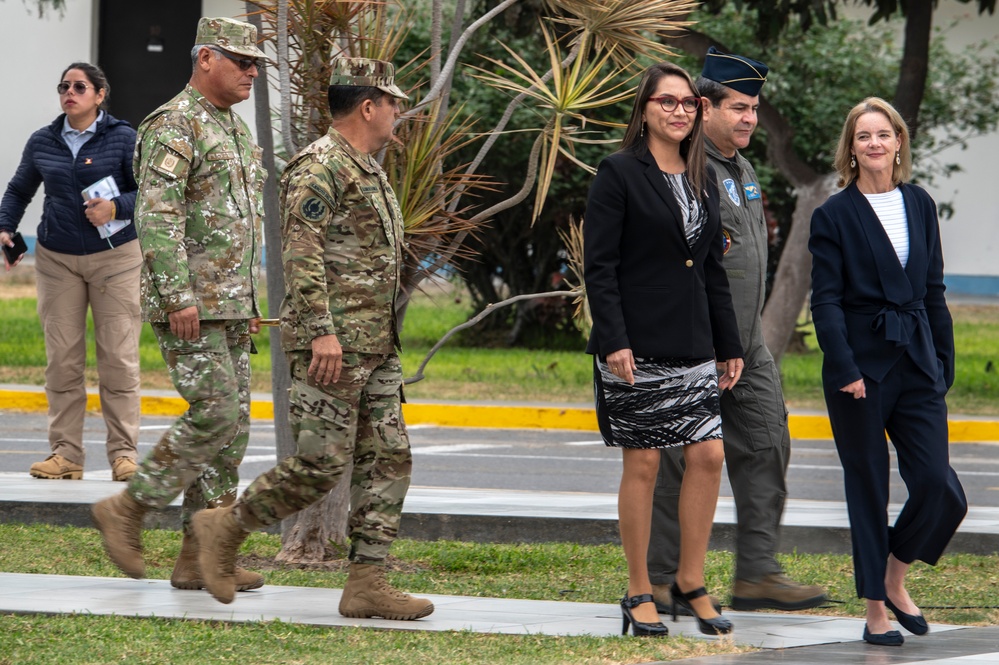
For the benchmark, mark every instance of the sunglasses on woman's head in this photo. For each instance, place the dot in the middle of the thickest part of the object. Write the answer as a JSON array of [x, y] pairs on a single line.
[[79, 87]]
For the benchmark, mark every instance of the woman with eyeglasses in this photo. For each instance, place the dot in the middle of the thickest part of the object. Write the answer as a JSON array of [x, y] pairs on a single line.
[[87, 255], [664, 337]]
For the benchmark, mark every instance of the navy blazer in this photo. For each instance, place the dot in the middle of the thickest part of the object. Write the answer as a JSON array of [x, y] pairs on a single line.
[[867, 309], [647, 289]]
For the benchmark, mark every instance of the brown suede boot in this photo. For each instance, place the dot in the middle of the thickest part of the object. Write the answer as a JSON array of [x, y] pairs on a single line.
[[123, 468], [187, 573], [119, 519], [56, 467], [218, 536], [368, 594], [775, 591]]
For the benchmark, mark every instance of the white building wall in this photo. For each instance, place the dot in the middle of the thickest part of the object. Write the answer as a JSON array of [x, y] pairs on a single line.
[[971, 237], [37, 52]]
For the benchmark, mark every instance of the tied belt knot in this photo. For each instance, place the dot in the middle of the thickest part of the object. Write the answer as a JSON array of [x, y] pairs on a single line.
[[889, 317]]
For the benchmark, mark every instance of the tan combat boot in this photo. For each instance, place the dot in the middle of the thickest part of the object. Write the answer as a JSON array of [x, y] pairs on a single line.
[[218, 536], [119, 519], [56, 467], [123, 468], [187, 573], [368, 594], [775, 591]]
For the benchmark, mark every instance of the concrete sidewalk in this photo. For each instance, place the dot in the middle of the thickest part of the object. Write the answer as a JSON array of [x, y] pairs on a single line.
[[499, 516]]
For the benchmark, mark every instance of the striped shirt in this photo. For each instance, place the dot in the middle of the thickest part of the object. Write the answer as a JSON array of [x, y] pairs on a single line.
[[890, 209]]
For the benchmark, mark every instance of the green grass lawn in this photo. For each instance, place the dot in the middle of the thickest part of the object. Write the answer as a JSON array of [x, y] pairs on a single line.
[[462, 373], [961, 589]]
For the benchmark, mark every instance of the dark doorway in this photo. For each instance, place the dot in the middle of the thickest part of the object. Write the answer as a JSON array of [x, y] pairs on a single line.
[[145, 50]]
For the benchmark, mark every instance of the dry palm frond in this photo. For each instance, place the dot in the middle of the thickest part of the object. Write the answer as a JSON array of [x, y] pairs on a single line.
[[626, 28], [573, 241], [425, 186], [571, 91], [320, 30]]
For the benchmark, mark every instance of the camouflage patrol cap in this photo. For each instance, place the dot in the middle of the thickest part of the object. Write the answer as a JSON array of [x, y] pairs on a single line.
[[366, 72], [230, 35]]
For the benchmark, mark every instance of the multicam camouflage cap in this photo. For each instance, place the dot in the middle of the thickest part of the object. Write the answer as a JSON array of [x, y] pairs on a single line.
[[229, 34], [365, 71]]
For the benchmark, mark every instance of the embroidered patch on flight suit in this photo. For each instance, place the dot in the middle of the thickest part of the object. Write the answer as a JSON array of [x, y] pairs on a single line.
[[726, 241], [313, 209], [752, 191], [733, 191]]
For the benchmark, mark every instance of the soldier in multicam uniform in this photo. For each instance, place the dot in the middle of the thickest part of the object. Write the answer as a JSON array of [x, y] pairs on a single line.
[[342, 242], [198, 217]]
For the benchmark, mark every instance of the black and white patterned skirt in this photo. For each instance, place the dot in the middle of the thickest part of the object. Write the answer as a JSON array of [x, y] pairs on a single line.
[[673, 403]]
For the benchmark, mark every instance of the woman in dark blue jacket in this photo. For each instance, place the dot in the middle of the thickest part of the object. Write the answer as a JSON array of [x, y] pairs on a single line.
[[87, 255], [888, 342]]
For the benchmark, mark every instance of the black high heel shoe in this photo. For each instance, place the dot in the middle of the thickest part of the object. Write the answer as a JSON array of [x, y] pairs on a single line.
[[719, 625], [640, 628], [914, 623]]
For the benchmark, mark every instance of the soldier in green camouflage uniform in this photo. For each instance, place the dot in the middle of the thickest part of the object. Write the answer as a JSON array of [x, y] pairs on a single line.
[[198, 218], [342, 250]]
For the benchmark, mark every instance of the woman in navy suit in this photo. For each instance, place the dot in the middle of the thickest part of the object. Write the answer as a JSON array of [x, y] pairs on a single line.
[[662, 314], [883, 324]]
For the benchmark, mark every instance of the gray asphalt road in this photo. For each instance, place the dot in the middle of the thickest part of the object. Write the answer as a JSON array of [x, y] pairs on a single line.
[[553, 460]]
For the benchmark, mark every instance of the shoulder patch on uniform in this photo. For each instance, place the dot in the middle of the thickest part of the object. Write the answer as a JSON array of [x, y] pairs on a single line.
[[313, 209], [726, 241]]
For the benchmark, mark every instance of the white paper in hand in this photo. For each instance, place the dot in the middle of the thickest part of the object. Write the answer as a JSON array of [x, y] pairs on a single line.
[[106, 188]]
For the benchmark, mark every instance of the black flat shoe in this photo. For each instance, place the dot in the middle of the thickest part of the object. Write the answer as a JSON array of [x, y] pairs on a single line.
[[719, 625], [640, 628], [914, 623], [892, 638]]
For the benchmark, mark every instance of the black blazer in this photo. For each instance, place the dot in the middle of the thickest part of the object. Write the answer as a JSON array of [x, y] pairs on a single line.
[[867, 309], [647, 289]]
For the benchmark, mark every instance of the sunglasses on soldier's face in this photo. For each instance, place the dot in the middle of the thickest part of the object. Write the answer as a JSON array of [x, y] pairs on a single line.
[[244, 63]]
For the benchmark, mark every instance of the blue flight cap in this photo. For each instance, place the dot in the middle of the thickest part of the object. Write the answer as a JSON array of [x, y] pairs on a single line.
[[735, 71]]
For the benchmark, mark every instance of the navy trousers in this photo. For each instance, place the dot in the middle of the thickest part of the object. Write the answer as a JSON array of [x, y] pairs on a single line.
[[910, 406]]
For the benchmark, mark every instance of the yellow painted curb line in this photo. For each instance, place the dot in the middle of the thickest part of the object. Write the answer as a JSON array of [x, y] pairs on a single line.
[[512, 417]]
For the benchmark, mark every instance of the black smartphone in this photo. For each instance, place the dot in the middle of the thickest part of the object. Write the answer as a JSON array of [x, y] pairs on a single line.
[[19, 248]]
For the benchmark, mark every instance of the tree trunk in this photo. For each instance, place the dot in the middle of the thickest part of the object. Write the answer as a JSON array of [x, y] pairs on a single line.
[[793, 280], [915, 63], [305, 536], [310, 536], [280, 378]]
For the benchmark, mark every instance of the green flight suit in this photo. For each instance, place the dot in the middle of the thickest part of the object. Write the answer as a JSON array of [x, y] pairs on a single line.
[[754, 416]]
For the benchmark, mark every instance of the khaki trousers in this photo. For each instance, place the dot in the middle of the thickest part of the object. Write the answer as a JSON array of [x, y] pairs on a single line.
[[107, 282]]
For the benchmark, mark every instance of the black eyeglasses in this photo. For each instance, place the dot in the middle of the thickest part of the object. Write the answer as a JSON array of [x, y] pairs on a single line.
[[79, 87], [244, 63], [669, 103]]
